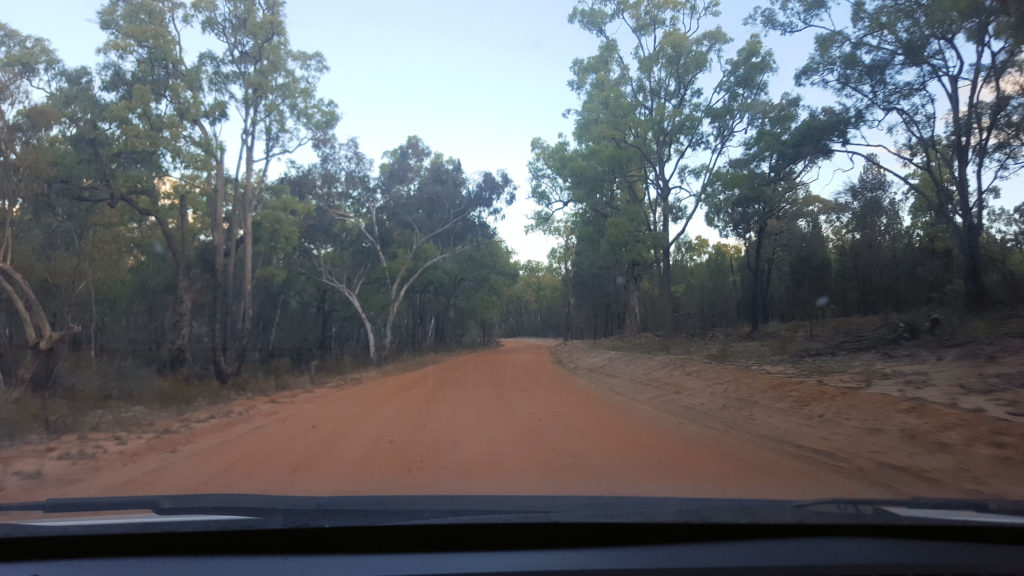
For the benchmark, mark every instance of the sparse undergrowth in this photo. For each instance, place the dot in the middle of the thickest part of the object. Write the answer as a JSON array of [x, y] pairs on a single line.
[[832, 337], [971, 362], [94, 399]]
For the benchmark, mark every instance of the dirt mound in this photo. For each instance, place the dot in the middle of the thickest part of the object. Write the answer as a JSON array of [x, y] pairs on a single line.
[[906, 446]]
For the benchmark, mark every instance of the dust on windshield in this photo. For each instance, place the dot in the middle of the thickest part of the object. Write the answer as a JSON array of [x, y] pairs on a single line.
[[607, 247]]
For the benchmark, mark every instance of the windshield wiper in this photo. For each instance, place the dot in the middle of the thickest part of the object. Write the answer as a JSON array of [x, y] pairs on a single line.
[[935, 509], [290, 511], [272, 511], [379, 510]]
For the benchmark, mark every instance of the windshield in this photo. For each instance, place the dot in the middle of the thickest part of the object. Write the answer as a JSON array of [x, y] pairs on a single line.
[[692, 249]]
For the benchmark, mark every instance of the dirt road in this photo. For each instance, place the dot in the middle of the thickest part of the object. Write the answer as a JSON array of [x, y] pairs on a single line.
[[506, 421]]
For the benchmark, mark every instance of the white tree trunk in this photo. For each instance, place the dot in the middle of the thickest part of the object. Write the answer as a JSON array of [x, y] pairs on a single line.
[[353, 297]]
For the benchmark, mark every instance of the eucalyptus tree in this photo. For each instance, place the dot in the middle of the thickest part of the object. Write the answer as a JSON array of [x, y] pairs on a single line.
[[421, 209], [28, 71], [872, 237], [172, 109], [270, 90], [936, 86], [140, 139], [769, 180], [661, 88], [533, 304], [473, 287], [594, 193]]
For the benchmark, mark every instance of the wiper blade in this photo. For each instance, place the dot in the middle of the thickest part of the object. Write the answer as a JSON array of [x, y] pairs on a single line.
[[254, 504], [294, 511], [281, 510], [267, 511], [936, 509]]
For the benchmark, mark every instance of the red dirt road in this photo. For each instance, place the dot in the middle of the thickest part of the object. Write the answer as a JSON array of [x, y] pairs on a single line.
[[503, 421]]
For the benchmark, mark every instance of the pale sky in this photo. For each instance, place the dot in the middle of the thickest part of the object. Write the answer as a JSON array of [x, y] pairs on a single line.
[[476, 79]]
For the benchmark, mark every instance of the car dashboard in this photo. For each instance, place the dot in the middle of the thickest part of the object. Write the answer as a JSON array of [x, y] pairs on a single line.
[[529, 549]]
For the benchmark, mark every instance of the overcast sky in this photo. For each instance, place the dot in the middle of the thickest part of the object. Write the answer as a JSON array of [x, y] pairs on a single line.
[[476, 79]]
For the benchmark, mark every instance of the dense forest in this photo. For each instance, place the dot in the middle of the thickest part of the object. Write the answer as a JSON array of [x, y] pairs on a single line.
[[145, 230], [676, 123]]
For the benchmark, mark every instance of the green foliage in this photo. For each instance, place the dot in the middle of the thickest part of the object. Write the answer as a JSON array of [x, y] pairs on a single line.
[[709, 288], [763, 192], [662, 97], [661, 102], [116, 212], [939, 77], [533, 305], [419, 213]]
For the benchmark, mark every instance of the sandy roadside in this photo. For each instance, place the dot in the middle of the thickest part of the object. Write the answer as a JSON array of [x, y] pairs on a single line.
[[901, 446]]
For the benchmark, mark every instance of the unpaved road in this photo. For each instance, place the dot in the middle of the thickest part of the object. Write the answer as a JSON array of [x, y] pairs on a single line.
[[503, 421]]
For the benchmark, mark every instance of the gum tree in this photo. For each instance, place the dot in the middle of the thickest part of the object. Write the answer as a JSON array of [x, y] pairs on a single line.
[[421, 210], [138, 142], [662, 88], [938, 89], [270, 90], [28, 70], [768, 182]]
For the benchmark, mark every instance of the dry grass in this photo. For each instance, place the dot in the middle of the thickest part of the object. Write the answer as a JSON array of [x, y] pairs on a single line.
[[723, 354], [29, 475], [98, 399], [832, 337], [970, 362], [20, 418], [80, 454], [783, 342]]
